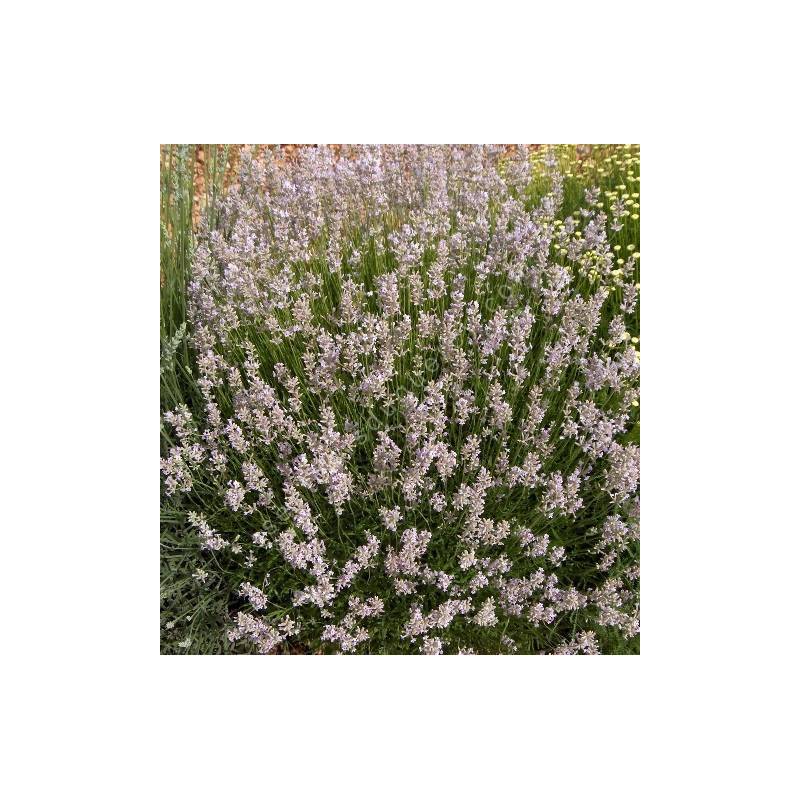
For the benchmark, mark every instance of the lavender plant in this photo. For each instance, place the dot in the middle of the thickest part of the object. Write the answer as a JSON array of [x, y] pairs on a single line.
[[400, 413]]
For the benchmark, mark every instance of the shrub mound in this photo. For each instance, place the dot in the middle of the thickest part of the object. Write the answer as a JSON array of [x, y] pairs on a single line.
[[408, 419]]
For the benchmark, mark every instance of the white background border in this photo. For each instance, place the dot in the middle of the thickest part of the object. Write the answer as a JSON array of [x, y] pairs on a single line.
[[91, 709]]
